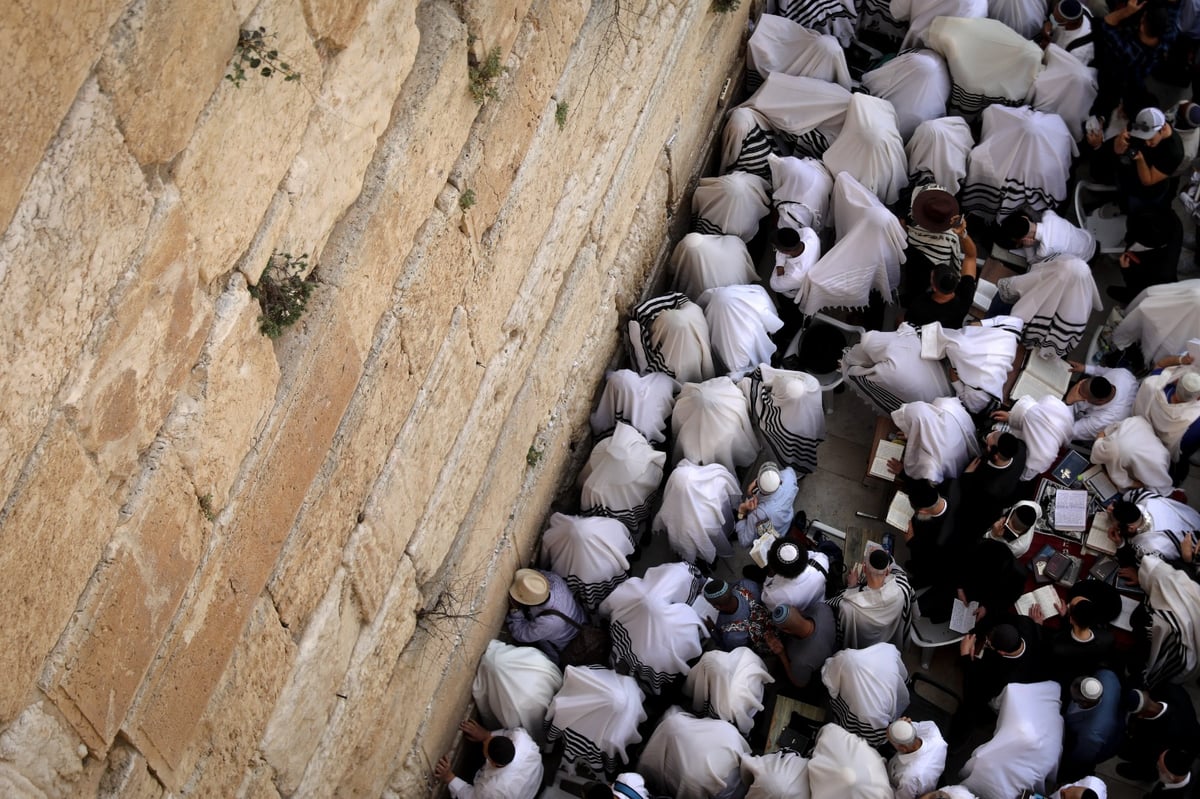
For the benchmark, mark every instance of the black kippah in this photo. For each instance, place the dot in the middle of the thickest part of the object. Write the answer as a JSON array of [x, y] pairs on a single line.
[[500, 750], [1100, 388]]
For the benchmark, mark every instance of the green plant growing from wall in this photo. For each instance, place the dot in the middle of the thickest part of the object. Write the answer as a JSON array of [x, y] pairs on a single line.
[[533, 457], [483, 76], [725, 6], [560, 114], [206, 507], [255, 54], [282, 292], [466, 200]]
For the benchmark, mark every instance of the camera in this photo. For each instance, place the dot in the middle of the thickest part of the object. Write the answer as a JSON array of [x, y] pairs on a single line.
[[1134, 147]]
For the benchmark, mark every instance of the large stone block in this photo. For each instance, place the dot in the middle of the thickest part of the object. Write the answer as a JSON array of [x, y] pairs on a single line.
[[333, 22], [47, 52], [243, 145], [128, 605], [50, 542], [160, 73], [494, 23], [44, 752], [127, 777], [76, 230]]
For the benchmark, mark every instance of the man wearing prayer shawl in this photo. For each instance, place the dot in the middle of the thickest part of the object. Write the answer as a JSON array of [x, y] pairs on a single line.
[[921, 14], [989, 63], [693, 758], [621, 478], [937, 152], [806, 114], [800, 190], [1023, 16], [668, 334], [769, 498], [696, 512], [870, 148], [1132, 455], [1042, 237], [1025, 749], [644, 402], [1055, 298], [596, 714], [514, 686], [1044, 424], [866, 690], [920, 757], [512, 767], [1100, 400], [843, 765], [1065, 87], [795, 253], [728, 686], [941, 438], [1173, 603], [1086, 788], [933, 216], [701, 262], [877, 605], [730, 205], [1170, 401], [1162, 319], [788, 411], [796, 576], [1152, 524], [1070, 27], [887, 370], [980, 354], [590, 552], [741, 320], [711, 424], [917, 83], [781, 45]]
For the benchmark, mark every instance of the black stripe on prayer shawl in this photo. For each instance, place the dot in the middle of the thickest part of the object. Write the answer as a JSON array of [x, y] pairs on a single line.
[[842, 714], [698, 583], [590, 595], [814, 14], [811, 143], [756, 146], [578, 749], [1172, 653], [937, 247], [634, 518], [753, 80], [969, 103], [1052, 333], [702, 225], [876, 15], [875, 393], [1008, 198], [906, 614], [1136, 495], [790, 449], [645, 314], [622, 652]]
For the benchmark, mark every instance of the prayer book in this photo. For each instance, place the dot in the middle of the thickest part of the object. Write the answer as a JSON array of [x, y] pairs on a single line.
[[1097, 537], [1045, 598], [1097, 481], [900, 512], [962, 617], [1042, 377], [1104, 570], [883, 453], [1070, 510], [1070, 469]]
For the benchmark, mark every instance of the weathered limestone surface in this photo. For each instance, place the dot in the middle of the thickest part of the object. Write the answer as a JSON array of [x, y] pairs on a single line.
[[268, 569]]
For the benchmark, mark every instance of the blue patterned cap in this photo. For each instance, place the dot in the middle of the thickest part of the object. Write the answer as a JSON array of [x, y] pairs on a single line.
[[780, 614]]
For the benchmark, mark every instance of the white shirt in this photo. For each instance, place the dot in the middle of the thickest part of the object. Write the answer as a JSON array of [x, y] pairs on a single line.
[[520, 779], [1091, 419], [798, 592], [1056, 236], [1063, 37], [917, 773], [1095, 783], [794, 269]]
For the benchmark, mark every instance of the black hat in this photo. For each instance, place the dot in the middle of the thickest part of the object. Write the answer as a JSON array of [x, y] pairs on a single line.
[[935, 209], [1005, 638]]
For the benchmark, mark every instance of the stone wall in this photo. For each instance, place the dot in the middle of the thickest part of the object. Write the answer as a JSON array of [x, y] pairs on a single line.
[[238, 566]]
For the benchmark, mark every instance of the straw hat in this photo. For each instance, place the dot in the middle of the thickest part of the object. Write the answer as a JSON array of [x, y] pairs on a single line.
[[529, 587]]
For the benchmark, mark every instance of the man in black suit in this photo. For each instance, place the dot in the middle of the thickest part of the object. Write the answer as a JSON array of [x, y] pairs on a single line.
[[1158, 719], [1174, 775]]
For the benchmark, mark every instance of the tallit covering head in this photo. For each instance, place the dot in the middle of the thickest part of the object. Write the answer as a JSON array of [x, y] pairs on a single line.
[[938, 151], [1065, 87], [981, 355], [700, 262], [590, 552], [941, 438], [806, 113], [870, 148], [602, 711], [922, 13], [1023, 159], [728, 686], [621, 476], [868, 253], [1045, 425], [1026, 746], [836, 17], [730, 204], [642, 401], [780, 45], [697, 510], [846, 766], [787, 409], [740, 320], [866, 690], [1055, 298], [869, 616], [746, 141], [1132, 454], [1023, 16], [668, 334], [917, 84], [1169, 420], [779, 775], [514, 686], [1163, 318], [887, 370], [801, 191], [711, 424], [693, 758], [989, 62]]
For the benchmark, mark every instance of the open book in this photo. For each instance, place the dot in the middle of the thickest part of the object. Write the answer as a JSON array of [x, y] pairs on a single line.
[[962, 617], [900, 512], [1070, 510], [1097, 537], [1042, 377], [1045, 598], [883, 453], [1097, 481]]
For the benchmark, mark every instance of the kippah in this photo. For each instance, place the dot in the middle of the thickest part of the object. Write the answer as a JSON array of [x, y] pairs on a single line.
[[1100, 388], [1008, 444], [1126, 512], [945, 279], [1005, 637], [923, 495], [786, 237], [715, 589], [1016, 226], [788, 553], [780, 613], [1178, 761], [879, 559], [1070, 9], [500, 750], [902, 732]]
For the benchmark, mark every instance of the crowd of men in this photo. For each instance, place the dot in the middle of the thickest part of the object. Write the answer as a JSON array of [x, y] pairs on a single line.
[[886, 150]]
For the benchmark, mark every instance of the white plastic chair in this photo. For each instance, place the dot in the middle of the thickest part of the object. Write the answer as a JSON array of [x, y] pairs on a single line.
[[928, 635]]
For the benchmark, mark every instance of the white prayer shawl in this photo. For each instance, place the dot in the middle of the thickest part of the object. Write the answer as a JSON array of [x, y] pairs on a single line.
[[596, 714], [730, 205], [806, 113], [868, 253], [1174, 600], [800, 591], [1166, 513], [957, 792], [1064, 87], [868, 616], [989, 62], [642, 401], [870, 148], [520, 779], [801, 189], [845, 766], [694, 758], [711, 424], [668, 334], [514, 686], [1023, 159], [835, 17], [941, 438], [746, 142], [675, 582], [866, 691], [788, 411], [1057, 236], [917, 84], [653, 635], [887, 370], [938, 151], [621, 477], [740, 320], [780, 45], [1055, 298], [922, 13], [779, 775], [1023, 16], [1169, 420], [1163, 318], [794, 269], [701, 262], [982, 355], [1045, 426], [1024, 750], [1095, 783], [728, 686], [1132, 454], [917, 773], [590, 552], [697, 511]]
